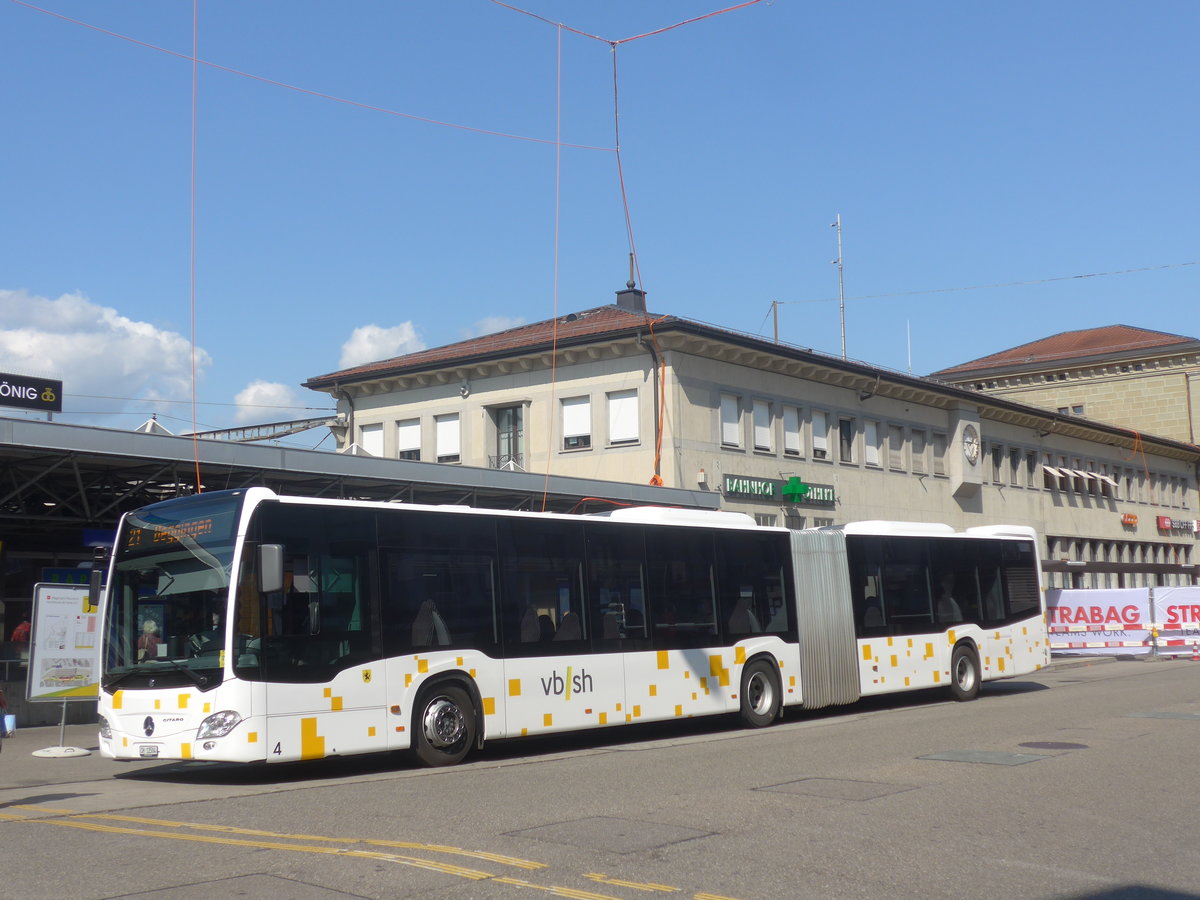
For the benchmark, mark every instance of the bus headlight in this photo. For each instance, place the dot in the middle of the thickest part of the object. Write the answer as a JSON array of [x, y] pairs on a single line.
[[105, 729], [218, 724]]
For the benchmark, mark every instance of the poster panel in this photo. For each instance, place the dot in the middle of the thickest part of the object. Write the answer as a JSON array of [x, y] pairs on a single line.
[[64, 650], [1099, 622]]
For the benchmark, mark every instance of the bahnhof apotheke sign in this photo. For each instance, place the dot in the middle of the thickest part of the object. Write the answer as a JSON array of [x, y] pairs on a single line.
[[794, 491]]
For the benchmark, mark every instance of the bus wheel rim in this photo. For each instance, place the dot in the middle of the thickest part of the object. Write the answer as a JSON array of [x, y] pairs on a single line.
[[965, 673], [758, 692], [443, 723]]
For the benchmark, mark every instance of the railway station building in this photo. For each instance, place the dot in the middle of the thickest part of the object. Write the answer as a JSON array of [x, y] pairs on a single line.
[[785, 434]]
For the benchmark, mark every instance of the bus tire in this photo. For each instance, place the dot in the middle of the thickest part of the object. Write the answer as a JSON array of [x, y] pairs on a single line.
[[761, 698], [964, 673], [443, 725]]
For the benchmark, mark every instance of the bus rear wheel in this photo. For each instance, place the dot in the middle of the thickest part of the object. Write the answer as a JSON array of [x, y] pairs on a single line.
[[443, 726], [760, 694], [964, 673]]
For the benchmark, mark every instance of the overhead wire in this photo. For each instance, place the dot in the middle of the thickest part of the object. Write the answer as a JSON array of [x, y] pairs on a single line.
[[557, 143], [192, 247], [1003, 284], [301, 90]]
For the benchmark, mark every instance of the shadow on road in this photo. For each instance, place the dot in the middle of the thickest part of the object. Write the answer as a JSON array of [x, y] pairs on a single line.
[[598, 739]]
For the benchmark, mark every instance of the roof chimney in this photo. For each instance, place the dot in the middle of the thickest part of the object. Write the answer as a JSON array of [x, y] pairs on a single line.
[[631, 298]]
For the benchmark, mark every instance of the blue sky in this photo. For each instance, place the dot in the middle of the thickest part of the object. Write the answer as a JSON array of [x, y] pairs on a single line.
[[962, 144]]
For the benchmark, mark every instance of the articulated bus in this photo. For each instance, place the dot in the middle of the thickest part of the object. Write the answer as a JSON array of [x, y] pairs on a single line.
[[246, 626]]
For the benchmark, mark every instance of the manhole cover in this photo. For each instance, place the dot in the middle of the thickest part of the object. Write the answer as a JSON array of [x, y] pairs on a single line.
[[838, 789], [989, 757], [1053, 745]]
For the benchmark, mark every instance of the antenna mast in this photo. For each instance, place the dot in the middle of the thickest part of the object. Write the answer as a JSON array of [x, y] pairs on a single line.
[[841, 284]]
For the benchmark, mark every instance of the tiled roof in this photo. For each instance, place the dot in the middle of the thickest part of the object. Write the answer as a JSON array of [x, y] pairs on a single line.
[[568, 329], [1112, 340]]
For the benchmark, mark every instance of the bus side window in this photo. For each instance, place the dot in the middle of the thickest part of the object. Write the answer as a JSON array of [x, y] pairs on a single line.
[[616, 565], [541, 572], [682, 589], [753, 582]]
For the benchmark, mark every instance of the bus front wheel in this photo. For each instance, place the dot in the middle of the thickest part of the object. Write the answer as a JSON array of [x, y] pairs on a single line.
[[964, 673], [443, 726], [760, 694]]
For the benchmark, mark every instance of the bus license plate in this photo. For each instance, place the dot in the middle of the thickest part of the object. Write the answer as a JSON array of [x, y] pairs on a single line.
[[148, 751]]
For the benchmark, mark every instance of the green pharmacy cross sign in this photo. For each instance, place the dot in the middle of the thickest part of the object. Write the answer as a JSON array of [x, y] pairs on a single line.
[[770, 490]]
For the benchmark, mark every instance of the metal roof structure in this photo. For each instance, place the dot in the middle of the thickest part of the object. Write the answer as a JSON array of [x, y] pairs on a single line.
[[57, 479]]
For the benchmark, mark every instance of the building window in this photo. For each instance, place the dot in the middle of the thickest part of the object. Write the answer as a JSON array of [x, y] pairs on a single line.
[[449, 438], [918, 443], [940, 443], [623, 417], [792, 445], [997, 464], [408, 439], [762, 425], [820, 434], [871, 442], [577, 423], [1014, 465], [1051, 475], [896, 447], [731, 421], [510, 438], [767, 519], [821, 522], [846, 440], [370, 439], [1031, 459], [793, 520]]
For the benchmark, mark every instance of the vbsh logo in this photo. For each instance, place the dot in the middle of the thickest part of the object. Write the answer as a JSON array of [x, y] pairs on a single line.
[[574, 683]]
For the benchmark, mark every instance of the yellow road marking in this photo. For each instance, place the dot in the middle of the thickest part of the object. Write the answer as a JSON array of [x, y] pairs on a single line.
[[636, 885], [76, 821], [432, 865], [555, 890], [402, 845]]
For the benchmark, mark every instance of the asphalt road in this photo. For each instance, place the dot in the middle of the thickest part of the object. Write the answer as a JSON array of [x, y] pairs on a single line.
[[1081, 782]]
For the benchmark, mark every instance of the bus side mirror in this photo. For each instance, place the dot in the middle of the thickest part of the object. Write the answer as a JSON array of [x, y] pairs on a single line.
[[270, 567], [96, 581]]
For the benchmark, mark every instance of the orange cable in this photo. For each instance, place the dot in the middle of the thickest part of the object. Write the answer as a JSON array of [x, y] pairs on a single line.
[[192, 242], [656, 478], [554, 327]]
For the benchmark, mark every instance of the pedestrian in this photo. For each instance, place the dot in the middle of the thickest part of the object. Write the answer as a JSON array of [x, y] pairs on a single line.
[[20, 634]]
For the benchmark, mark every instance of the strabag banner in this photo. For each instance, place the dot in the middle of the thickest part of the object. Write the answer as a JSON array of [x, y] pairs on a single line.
[[1177, 613], [1128, 620], [1099, 621]]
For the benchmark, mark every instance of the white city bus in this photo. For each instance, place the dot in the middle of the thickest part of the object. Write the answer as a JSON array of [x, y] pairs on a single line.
[[246, 626]]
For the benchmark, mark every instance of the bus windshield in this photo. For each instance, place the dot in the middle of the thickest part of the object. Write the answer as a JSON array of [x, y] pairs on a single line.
[[164, 622]]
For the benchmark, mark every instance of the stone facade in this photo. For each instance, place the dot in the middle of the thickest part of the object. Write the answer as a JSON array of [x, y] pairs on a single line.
[[1144, 380]]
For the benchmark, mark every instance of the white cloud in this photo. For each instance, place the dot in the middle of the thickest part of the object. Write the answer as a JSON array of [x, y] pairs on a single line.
[[107, 362], [267, 401], [370, 343], [493, 324]]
